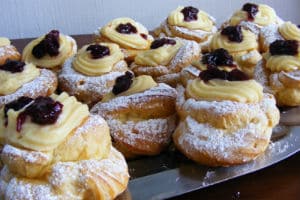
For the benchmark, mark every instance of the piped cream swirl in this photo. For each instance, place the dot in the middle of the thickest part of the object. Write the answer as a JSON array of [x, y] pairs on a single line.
[[45, 137], [139, 84], [160, 56], [4, 41], [219, 90], [132, 40], [221, 41], [265, 16], [84, 63], [203, 22], [10, 82], [67, 47], [289, 31]]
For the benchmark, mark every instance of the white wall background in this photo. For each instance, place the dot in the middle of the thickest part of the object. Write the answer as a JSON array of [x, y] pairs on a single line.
[[31, 18]]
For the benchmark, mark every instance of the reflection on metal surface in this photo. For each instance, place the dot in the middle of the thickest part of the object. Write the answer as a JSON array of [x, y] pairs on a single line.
[[170, 174]]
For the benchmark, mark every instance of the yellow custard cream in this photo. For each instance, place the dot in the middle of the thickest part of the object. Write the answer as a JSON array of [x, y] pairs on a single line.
[[287, 63], [160, 56], [139, 84], [218, 90], [265, 16], [221, 41], [11, 82], [289, 31], [4, 41], [131, 40], [204, 21], [84, 63], [46, 137], [67, 47]]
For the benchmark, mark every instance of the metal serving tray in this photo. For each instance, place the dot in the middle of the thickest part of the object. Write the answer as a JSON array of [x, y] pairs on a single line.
[[171, 174]]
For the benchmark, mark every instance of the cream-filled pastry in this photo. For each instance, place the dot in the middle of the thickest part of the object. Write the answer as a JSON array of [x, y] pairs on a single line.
[[24, 79], [212, 129], [254, 17], [217, 58], [242, 44], [50, 50], [140, 113], [8, 51], [131, 36], [188, 23], [284, 31], [165, 59], [56, 144], [91, 73], [279, 72]]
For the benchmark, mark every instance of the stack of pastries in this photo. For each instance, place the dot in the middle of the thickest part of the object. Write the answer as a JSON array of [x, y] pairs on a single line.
[[185, 82], [53, 148]]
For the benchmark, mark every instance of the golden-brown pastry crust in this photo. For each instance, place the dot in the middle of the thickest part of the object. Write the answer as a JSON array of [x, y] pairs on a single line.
[[284, 85], [141, 123], [44, 85], [89, 89], [216, 133], [83, 164], [169, 73], [86, 179], [8, 52]]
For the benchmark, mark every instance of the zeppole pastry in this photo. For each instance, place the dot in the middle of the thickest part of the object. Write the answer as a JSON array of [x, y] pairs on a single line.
[[242, 44], [55, 149], [279, 72], [24, 79], [92, 72], [225, 118], [130, 35], [165, 59], [254, 17], [50, 50], [188, 23], [217, 58], [7, 51], [285, 31], [140, 113]]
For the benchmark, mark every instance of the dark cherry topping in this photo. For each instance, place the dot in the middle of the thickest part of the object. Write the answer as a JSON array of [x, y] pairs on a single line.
[[251, 9], [284, 47], [143, 35], [216, 73], [44, 110], [49, 45], [161, 42], [123, 83], [16, 105], [98, 51], [190, 13], [234, 33], [298, 26], [219, 57], [127, 28], [13, 66]]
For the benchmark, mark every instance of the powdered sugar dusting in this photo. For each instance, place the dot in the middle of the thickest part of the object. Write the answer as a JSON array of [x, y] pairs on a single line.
[[269, 34], [19, 189], [37, 87], [77, 83], [185, 55], [8, 50], [153, 130], [135, 99], [28, 156], [222, 145], [69, 180]]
